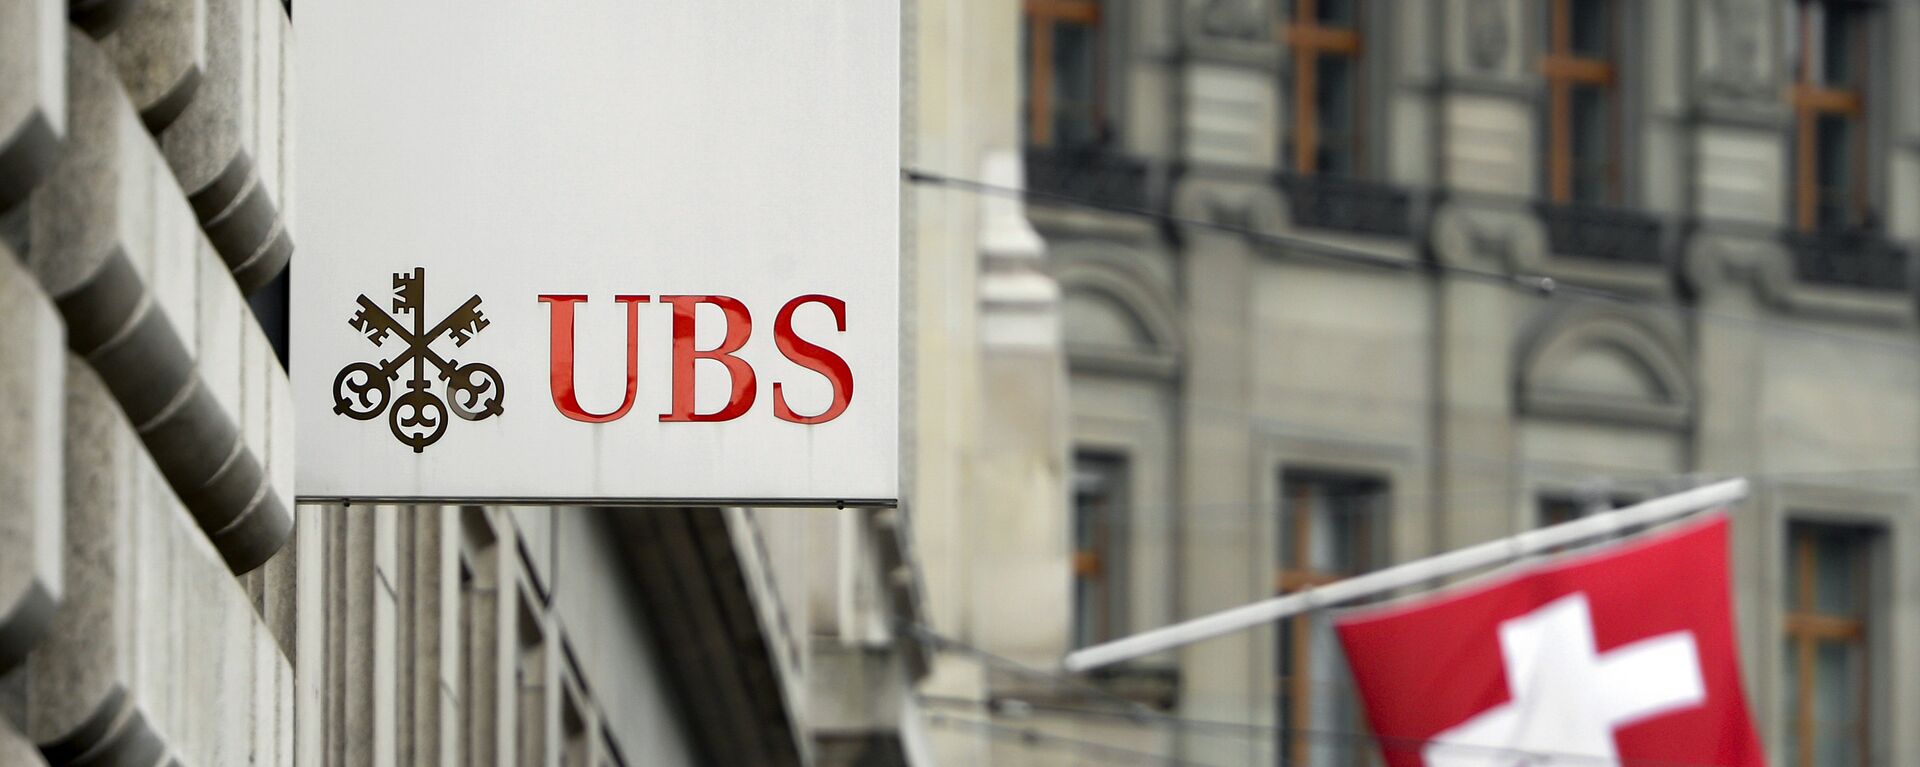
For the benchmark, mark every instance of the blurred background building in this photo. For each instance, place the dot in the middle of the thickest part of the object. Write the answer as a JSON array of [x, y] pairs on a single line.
[[1295, 289], [1347, 283]]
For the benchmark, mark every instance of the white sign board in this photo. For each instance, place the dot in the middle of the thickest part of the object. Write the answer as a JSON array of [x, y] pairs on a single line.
[[600, 251]]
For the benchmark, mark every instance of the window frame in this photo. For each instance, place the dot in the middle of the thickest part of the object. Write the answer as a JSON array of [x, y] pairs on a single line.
[[1295, 695], [1809, 101], [1564, 69], [1307, 39], [1105, 566], [1038, 19], [1806, 627]]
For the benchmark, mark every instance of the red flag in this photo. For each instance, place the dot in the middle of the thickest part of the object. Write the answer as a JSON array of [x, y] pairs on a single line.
[[1627, 653]]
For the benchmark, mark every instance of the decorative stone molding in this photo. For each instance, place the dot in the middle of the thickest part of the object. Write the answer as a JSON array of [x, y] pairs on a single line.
[[1232, 19], [1483, 54], [1237, 33], [1488, 34], [1244, 203], [33, 95], [1155, 351], [116, 249], [1716, 262], [1737, 50], [1019, 303], [1484, 238], [1603, 364], [228, 147]]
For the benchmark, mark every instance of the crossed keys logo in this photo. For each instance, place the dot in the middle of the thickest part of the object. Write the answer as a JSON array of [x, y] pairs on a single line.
[[418, 417]]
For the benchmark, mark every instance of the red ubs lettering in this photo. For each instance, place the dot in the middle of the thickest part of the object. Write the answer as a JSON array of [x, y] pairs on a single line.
[[739, 327]]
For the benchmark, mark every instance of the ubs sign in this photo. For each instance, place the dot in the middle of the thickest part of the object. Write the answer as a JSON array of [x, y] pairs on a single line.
[[662, 240]]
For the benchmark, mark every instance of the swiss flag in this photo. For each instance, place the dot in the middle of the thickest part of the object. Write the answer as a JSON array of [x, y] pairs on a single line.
[[1624, 654]]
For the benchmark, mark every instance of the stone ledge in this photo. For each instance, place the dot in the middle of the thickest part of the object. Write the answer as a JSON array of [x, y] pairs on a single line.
[[227, 148], [117, 249], [112, 681]]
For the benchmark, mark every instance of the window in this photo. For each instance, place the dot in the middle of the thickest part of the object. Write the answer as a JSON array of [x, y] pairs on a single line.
[[1099, 518], [1327, 132], [1063, 87], [1824, 663], [1828, 42], [1583, 113], [1557, 508], [1331, 527]]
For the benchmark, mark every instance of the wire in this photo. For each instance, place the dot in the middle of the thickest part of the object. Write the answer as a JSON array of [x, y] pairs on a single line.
[[1543, 286]]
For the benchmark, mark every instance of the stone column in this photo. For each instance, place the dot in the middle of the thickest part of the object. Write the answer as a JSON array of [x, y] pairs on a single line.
[[1020, 589]]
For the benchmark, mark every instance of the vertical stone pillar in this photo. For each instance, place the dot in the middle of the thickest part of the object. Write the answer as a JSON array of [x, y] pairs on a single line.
[[1020, 589], [1217, 473]]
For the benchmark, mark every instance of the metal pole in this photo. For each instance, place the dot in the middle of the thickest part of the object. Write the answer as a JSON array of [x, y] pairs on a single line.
[[1406, 574]]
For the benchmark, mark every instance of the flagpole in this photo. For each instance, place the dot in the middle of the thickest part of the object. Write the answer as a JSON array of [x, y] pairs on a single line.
[[1407, 574]]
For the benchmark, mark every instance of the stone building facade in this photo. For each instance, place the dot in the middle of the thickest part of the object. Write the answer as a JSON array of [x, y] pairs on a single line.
[[162, 599], [1346, 283]]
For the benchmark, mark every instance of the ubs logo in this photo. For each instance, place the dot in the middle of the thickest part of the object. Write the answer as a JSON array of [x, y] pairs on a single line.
[[417, 416]]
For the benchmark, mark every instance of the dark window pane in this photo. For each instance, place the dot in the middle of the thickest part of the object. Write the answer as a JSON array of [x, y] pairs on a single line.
[[1338, 13], [1335, 103], [1593, 155], [1592, 22], [1837, 684], [1099, 519], [1833, 171], [1838, 43], [1074, 83]]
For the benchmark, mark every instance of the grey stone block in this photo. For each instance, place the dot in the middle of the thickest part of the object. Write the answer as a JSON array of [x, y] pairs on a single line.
[[32, 375], [116, 247], [33, 102], [158, 653], [161, 54], [228, 147]]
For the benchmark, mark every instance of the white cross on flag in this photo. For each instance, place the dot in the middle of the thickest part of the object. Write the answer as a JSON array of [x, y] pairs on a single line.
[[1625, 655]]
